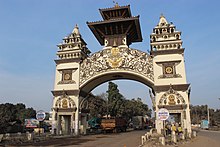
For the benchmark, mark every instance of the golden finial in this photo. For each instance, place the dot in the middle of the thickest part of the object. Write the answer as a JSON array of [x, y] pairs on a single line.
[[116, 4]]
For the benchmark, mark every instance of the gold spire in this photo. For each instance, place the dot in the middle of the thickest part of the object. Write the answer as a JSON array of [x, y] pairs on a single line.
[[116, 4]]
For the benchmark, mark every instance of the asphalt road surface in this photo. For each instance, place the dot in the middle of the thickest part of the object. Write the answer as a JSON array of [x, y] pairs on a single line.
[[125, 139], [215, 135], [205, 138]]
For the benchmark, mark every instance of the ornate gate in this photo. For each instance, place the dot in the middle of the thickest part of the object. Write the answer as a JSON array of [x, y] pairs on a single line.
[[78, 72]]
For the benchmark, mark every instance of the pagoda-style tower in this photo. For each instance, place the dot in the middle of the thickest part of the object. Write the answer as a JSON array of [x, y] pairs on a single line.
[[170, 85], [65, 103], [165, 38], [119, 27], [73, 47]]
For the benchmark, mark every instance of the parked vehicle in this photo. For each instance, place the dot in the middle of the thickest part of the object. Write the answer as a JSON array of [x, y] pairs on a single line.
[[204, 124], [141, 122], [94, 124], [114, 124]]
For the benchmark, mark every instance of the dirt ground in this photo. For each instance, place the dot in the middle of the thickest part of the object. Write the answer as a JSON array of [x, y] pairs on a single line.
[[128, 139], [201, 141], [125, 139]]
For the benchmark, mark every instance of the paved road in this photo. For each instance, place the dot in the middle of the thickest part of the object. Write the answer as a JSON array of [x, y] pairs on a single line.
[[205, 139], [126, 139], [215, 135]]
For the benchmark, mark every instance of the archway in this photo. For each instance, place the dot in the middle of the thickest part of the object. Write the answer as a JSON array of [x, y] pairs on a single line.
[[163, 69], [129, 64]]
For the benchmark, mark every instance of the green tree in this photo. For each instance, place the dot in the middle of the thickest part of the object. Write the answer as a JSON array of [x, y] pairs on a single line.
[[115, 100], [199, 112], [97, 105], [12, 117], [7, 115]]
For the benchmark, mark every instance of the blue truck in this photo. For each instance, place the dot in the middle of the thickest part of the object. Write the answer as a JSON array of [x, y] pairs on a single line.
[[204, 124]]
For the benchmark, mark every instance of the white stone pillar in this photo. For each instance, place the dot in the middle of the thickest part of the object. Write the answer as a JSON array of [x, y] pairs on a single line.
[[58, 124], [188, 120], [76, 129], [159, 126], [173, 136], [162, 140]]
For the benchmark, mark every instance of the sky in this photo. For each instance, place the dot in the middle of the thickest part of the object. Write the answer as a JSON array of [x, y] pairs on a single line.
[[30, 31]]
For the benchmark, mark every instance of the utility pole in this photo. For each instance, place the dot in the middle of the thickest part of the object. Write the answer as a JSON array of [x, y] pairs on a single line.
[[208, 114]]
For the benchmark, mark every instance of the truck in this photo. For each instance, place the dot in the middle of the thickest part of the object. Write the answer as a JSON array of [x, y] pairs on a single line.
[[114, 125], [94, 124], [141, 122], [204, 124]]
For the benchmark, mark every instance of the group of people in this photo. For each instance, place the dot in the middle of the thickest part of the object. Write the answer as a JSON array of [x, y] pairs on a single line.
[[176, 127]]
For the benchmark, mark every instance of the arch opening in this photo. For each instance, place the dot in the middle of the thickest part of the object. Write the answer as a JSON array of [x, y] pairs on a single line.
[[94, 82]]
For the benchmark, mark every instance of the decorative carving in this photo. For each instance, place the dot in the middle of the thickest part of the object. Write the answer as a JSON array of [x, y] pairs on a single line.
[[65, 102], [172, 96], [67, 82], [84, 104], [116, 59], [169, 69], [67, 76], [153, 100]]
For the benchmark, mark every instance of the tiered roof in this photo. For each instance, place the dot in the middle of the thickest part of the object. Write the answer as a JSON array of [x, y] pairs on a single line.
[[117, 21]]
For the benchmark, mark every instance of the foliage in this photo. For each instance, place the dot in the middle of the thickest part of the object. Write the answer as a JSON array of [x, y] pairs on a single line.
[[12, 116], [115, 99], [200, 112], [114, 104], [97, 106]]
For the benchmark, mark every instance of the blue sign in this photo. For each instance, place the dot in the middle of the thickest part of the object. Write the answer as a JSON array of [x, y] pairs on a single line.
[[40, 115], [163, 114]]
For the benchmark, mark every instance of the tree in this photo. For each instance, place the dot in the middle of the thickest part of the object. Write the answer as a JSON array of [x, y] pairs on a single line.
[[119, 106], [7, 115], [115, 99], [113, 102], [12, 117], [199, 113], [97, 105]]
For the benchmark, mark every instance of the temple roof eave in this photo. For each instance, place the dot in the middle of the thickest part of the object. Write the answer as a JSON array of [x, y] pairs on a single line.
[[100, 38], [113, 8], [102, 11], [113, 20]]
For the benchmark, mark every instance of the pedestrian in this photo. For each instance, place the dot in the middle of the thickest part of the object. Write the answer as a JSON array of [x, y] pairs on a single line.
[[173, 128], [180, 130]]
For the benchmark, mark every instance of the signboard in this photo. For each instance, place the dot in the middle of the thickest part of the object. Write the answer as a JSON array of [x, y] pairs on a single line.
[[40, 115], [163, 114], [31, 123]]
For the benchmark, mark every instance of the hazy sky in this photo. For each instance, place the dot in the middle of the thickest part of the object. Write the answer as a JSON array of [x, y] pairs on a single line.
[[31, 29]]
